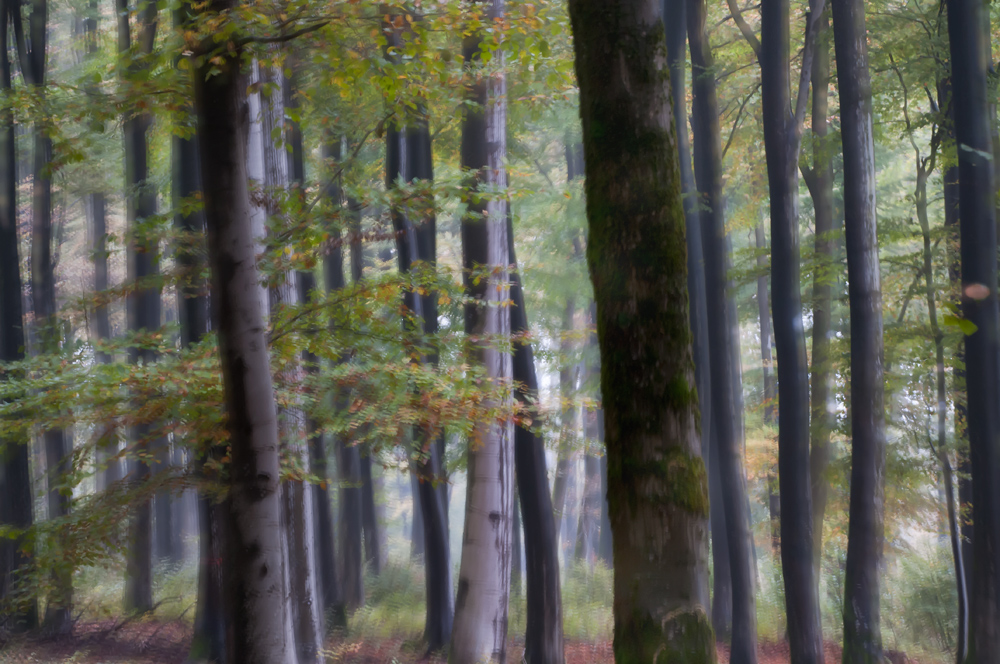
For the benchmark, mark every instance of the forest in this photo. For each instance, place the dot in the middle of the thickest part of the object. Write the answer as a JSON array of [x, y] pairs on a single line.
[[486, 331]]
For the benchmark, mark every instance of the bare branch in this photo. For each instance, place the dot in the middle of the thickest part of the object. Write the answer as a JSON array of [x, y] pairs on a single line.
[[744, 27]]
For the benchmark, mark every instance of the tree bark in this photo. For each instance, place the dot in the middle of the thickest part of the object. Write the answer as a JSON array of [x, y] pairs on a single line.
[[143, 304], [349, 532], [977, 212], [862, 633], [15, 479], [725, 381], [782, 141], [820, 183], [481, 603], [675, 22], [543, 639], [253, 573], [657, 486]]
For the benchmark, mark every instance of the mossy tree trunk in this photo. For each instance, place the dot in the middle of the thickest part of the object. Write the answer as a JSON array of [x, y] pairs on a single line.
[[657, 486]]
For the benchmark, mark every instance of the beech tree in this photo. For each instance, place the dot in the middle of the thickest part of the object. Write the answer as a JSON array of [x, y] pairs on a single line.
[[656, 477], [481, 602]]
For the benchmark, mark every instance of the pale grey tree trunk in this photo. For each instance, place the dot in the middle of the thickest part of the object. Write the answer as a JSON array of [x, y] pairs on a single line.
[[480, 630], [270, 171]]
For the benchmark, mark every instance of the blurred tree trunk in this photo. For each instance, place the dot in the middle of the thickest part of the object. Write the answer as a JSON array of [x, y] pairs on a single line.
[[108, 465], [675, 21], [349, 528], [143, 304], [543, 641], [977, 212], [862, 633], [57, 443], [480, 630], [651, 417], [819, 180], [725, 380], [409, 161], [296, 494], [770, 388], [567, 416], [253, 570], [15, 474], [782, 142]]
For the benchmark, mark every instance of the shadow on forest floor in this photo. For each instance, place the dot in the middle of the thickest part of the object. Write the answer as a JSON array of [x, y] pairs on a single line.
[[149, 642]]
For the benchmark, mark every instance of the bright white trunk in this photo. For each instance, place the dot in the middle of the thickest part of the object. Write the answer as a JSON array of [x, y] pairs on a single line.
[[268, 165]]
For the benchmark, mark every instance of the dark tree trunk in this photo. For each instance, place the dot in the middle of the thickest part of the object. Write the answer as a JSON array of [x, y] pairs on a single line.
[[409, 158], [253, 571], [543, 640], [109, 468], [951, 221], [43, 293], [726, 387], [722, 576], [782, 140], [651, 417], [675, 22], [143, 304], [862, 634], [819, 179], [977, 200], [15, 478], [208, 643], [604, 542], [370, 526]]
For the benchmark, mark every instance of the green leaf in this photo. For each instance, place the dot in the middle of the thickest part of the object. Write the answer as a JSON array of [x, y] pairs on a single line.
[[967, 327]]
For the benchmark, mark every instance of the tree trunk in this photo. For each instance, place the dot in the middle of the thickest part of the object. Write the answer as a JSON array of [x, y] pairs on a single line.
[[543, 640], [770, 389], [782, 141], [481, 603], [350, 560], [955, 536], [675, 22], [862, 634], [657, 487], [253, 572], [374, 535], [517, 563], [979, 305], [272, 173], [820, 183], [143, 304], [725, 382], [15, 477], [567, 417]]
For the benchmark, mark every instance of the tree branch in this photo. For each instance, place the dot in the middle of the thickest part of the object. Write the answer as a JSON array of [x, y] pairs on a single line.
[[739, 115], [816, 9], [744, 27]]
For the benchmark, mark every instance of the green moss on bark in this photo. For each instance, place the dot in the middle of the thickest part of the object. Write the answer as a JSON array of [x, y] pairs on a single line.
[[682, 637]]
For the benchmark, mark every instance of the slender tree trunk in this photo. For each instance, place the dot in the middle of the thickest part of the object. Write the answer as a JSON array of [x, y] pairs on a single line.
[[481, 603], [567, 417], [253, 571], [977, 202], [820, 183], [143, 304], [657, 486], [726, 391], [949, 179], [770, 388], [543, 640], [675, 22], [782, 140], [15, 477], [940, 375], [350, 560], [374, 534], [109, 468], [517, 564], [862, 633]]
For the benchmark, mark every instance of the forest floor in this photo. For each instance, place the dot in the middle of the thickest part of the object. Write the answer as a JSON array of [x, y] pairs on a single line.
[[167, 643]]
